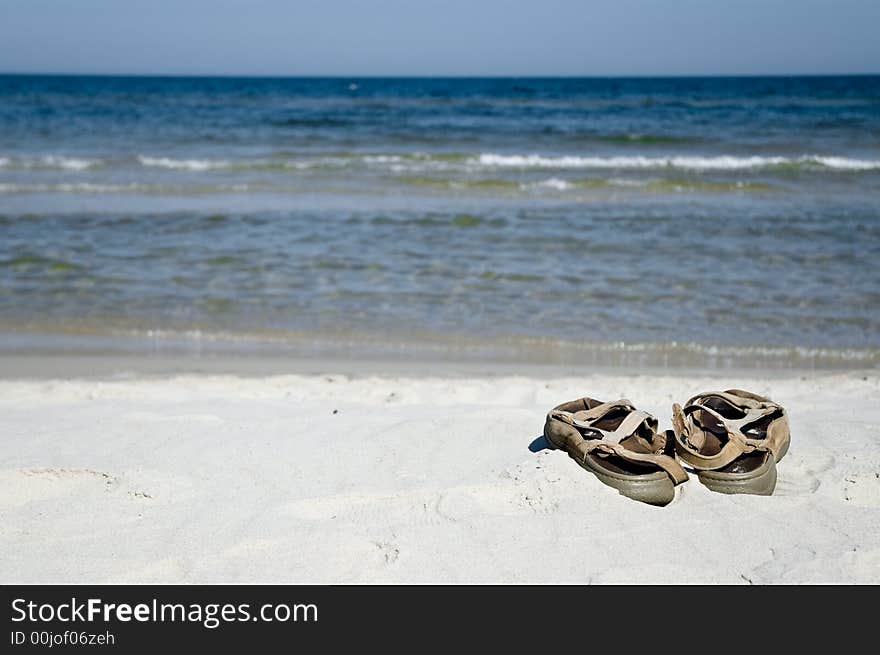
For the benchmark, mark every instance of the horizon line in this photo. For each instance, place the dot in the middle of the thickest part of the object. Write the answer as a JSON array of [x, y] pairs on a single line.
[[434, 76]]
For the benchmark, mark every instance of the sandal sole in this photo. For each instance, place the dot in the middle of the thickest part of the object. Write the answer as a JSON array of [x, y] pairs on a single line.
[[760, 482], [650, 488]]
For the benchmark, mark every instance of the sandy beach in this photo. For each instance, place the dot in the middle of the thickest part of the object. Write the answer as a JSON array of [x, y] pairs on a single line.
[[307, 329], [409, 477]]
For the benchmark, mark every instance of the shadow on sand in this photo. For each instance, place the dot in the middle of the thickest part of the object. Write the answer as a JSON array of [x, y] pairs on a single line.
[[539, 444]]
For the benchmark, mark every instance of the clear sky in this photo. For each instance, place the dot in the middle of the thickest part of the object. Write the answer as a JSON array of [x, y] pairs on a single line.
[[440, 37]]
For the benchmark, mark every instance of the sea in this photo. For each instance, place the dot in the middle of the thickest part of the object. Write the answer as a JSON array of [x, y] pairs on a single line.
[[705, 222]]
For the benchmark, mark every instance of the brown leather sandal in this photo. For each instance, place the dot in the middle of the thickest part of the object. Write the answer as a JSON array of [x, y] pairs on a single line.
[[620, 445], [733, 439]]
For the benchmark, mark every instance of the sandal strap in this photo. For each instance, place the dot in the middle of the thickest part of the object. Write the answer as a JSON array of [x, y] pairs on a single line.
[[625, 429], [732, 396], [607, 442], [735, 427], [733, 449], [599, 411], [738, 443], [669, 465]]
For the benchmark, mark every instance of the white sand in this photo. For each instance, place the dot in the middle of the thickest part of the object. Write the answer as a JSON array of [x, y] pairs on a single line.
[[216, 478]]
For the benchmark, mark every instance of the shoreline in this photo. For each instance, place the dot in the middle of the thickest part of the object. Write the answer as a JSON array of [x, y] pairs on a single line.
[[84, 353], [73, 365]]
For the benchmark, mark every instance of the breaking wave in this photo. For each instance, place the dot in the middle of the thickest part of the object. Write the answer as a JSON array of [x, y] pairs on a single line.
[[183, 164], [721, 162], [416, 162], [50, 162]]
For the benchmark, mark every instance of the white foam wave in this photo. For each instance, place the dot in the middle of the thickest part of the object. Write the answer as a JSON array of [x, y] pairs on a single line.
[[69, 163], [425, 162], [846, 164], [745, 356], [252, 164], [383, 159], [621, 181], [83, 187], [183, 164], [553, 183], [51, 162], [86, 187], [721, 162]]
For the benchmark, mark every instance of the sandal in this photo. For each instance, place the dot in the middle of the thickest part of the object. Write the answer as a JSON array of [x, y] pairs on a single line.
[[733, 439], [620, 445]]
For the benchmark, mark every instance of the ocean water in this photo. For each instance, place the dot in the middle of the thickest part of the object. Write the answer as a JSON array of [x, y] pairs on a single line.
[[705, 221]]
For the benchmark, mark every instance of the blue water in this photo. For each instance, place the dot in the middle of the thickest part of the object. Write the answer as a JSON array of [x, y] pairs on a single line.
[[712, 220]]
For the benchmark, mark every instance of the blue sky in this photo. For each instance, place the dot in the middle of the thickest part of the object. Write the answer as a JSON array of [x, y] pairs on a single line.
[[440, 37]]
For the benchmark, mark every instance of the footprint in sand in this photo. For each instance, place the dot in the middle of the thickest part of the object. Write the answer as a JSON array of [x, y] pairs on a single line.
[[534, 487], [530, 487], [862, 488], [800, 476], [152, 417], [22, 486], [407, 508], [388, 549], [18, 487], [104, 481]]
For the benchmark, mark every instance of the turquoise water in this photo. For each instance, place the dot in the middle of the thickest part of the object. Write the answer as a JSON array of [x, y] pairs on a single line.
[[712, 221]]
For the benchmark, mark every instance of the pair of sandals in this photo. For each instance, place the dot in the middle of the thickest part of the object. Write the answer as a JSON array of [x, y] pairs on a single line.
[[732, 439]]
